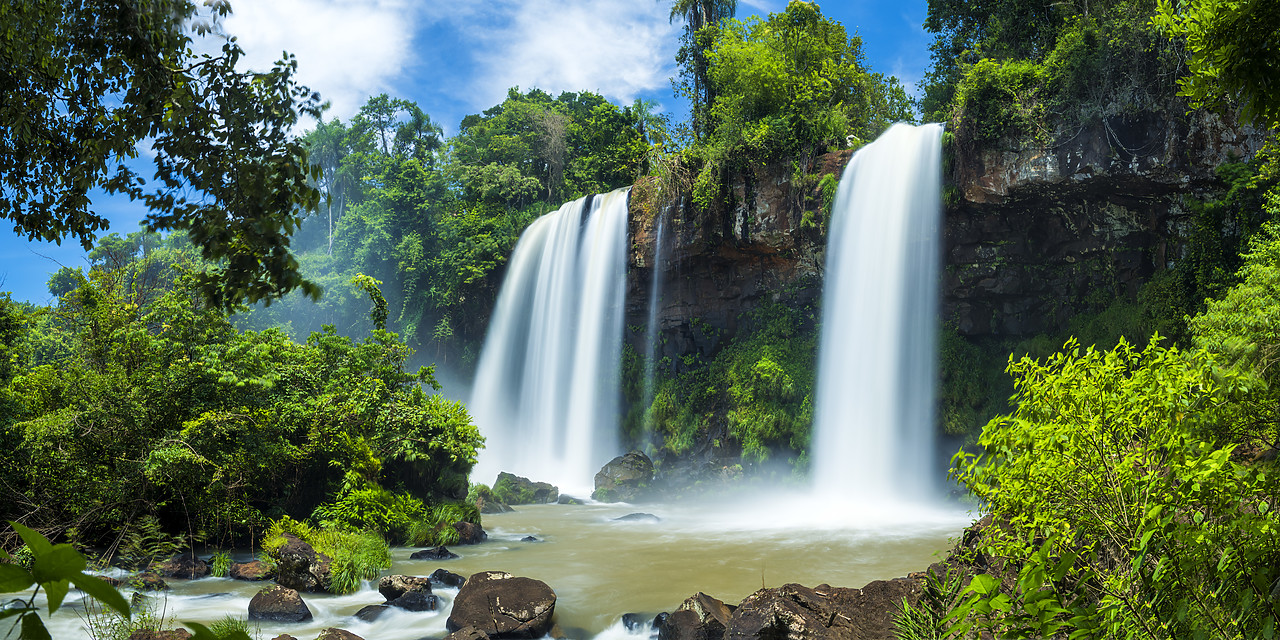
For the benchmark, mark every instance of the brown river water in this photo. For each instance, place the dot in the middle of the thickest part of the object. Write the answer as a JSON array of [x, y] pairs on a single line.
[[601, 568]]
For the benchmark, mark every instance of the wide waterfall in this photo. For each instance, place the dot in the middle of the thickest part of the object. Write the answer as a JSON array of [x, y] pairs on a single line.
[[545, 395], [873, 429]]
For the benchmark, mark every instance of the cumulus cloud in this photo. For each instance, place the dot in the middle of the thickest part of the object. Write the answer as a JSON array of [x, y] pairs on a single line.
[[619, 48], [346, 49]]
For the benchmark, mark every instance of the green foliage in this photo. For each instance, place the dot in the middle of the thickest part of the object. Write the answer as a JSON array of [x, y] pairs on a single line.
[[220, 564], [86, 86], [54, 568], [355, 556], [756, 392], [927, 619], [363, 506], [1232, 51], [1121, 511], [998, 99], [143, 542], [436, 529]]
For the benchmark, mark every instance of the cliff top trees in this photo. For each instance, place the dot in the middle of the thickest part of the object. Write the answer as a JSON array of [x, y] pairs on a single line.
[[697, 15], [83, 83]]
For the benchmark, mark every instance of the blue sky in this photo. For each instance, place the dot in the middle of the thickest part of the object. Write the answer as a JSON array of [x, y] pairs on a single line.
[[457, 57]]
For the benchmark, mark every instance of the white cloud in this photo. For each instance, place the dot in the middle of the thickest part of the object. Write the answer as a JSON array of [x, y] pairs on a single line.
[[346, 49], [619, 48]]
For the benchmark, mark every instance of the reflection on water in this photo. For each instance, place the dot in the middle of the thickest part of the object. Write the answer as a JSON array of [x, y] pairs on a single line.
[[601, 568]]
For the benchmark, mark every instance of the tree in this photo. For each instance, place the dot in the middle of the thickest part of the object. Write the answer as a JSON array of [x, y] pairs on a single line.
[[698, 14], [1234, 53], [83, 84]]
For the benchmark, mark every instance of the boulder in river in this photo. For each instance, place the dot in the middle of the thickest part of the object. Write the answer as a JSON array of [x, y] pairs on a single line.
[[253, 570], [394, 586], [467, 633], [334, 633], [638, 517], [437, 553], [794, 612], [529, 539], [503, 606], [371, 612], [148, 581], [149, 634], [443, 578], [278, 603], [567, 499], [470, 533], [415, 601], [301, 567], [513, 489], [184, 566], [699, 617], [624, 479]]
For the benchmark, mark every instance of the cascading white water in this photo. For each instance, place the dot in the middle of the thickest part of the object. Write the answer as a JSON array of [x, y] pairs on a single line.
[[873, 429], [545, 395]]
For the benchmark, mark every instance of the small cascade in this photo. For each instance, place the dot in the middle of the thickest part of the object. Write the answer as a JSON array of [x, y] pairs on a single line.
[[655, 300], [545, 395], [873, 441]]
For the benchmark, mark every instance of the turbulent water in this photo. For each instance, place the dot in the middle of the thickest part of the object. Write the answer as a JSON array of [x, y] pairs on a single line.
[[874, 415], [599, 568], [545, 395]]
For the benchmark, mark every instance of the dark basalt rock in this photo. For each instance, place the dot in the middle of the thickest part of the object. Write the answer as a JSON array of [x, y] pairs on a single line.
[[394, 586], [184, 566], [278, 603], [333, 633], [699, 617], [564, 499], [443, 578], [470, 533], [503, 606], [438, 553], [254, 570], [492, 505], [467, 633], [148, 581], [624, 479], [794, 612], [529, 539], [634, 621], [149, 634], [416, 601], [371, 612], [284, 636], [299, 566], [638, 517]]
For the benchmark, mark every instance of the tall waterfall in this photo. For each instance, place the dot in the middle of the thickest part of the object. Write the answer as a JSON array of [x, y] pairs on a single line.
[[874, 422], [545, 395]]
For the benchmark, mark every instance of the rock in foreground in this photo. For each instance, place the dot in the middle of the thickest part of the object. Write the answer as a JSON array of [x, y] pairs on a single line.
[[279, 604], [501, 605], [513, 489], [794, 612]]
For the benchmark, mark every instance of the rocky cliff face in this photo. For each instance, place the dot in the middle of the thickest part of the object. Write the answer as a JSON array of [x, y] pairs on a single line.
[[1033, 233]]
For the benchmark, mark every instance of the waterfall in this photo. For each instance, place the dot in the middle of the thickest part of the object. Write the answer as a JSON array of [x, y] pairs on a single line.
[[651, 333], [874, 420], [545, 395]]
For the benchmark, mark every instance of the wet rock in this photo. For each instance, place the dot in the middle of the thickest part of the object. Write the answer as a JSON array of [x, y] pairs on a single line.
[[416, 601], [334, 633], [638, 517], [699, 617], [513, 489], [371, 612], [148, 581], [529, 539], [438, 553], [284, 636], [150, 634], [301, 567], [634, 621], [470, 533], [394, 586], [503, 606], [624, 479], [487, 506], [254, 570], [443, 578], [185, 566], [467, 633], [564, 499], [278, 603], [795, 612]]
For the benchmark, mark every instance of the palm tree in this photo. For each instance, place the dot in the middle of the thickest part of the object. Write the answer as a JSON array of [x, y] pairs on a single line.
[[696, 15]]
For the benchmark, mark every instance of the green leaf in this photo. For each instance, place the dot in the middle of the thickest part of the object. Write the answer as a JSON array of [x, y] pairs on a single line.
[[33, 627], [202, 632], [103, 592], [14, 578], [15, 611], [61, 562], [57, 591], [38, 543], [983, 584]]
